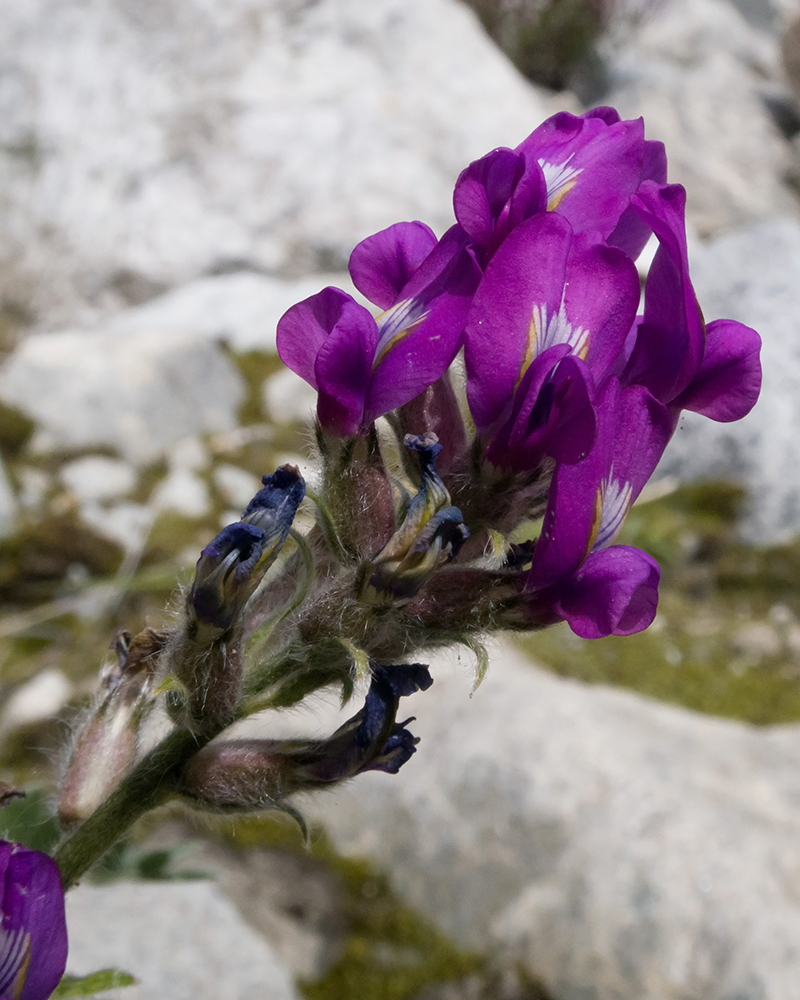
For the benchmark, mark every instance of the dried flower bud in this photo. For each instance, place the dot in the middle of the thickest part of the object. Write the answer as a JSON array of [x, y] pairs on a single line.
[[106, 746], [432, 531], [232, 565], [207, 658], [259, 774]]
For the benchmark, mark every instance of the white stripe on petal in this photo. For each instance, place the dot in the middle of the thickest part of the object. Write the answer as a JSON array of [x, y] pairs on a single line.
[[14, 948], [546, 331], [395, 325], [615, 499], [560, 179]]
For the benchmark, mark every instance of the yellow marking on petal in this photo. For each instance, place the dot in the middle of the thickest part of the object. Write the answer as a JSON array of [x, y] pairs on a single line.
[[559, 195], [18, 983], [596, 521], [531, 348]]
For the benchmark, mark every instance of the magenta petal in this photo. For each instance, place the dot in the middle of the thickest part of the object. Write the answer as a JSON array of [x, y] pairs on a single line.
[[33, 905], [422, 333], [615, 592], [528, 270], [343, 369], [592, 167], [729, 380], [633, 429], [631, 233], [484, 189], [381, 265], [671, 340], [304, 328], [553, 415]]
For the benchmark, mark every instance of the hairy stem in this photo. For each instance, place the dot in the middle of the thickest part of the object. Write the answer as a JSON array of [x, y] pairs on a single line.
[[149, 784]]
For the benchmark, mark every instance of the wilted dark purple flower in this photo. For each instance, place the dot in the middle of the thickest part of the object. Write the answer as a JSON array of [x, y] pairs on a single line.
[[546, 326], [362, 366], [252, 773], [431, 534], [33, 930], [231, 566], [712, 370], [576, 572]]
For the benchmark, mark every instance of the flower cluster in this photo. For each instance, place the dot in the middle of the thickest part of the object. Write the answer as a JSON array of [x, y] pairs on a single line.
[[572, 396], [482, 435]]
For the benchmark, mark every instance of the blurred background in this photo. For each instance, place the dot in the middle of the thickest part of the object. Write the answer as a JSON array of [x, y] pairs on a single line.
[[173, 175]]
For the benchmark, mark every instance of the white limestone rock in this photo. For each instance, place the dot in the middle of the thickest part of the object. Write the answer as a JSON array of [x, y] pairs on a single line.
[[237, 485], [182, 941], [139, 393], [751, 275], [240, 309], [231, 135], [699, 72], [289, 398], [618, 847], [96, 478]]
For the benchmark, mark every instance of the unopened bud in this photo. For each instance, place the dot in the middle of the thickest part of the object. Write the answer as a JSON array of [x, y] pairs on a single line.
[[106, 746]]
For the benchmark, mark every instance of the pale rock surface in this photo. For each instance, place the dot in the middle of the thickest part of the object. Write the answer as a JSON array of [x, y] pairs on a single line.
[[237, 485], [96, 478], [699, 72], [240, 309], [183, 492], [139, 393], [618, 847], [231, 135], [751, 275], [182, 941], [40, 698], [287, 398]]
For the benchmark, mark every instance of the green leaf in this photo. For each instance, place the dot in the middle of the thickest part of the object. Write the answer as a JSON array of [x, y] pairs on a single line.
[[30, 821], [97, 982]]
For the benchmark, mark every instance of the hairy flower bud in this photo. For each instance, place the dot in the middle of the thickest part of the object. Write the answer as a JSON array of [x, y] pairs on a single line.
[[106, 746], [260, 774], [432, 531]]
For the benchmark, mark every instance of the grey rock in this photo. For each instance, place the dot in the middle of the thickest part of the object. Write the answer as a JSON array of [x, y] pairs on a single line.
[[182, 942], [240, 309], [231, 135], [139, 393], [96, 478], [699, 74], [617, 847], [751, 275]]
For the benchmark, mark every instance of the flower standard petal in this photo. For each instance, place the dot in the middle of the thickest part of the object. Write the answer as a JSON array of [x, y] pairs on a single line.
[[383, 264], [544, 287], [592, 165]]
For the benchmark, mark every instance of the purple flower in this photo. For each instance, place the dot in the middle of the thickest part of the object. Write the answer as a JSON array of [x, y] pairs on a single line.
[[361, 366], [584, 167], [712, 370], [546, 326], [576, 573], [33, 933]]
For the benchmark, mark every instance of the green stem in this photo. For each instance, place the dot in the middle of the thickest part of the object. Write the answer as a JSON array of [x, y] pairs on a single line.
[[150, 783]]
